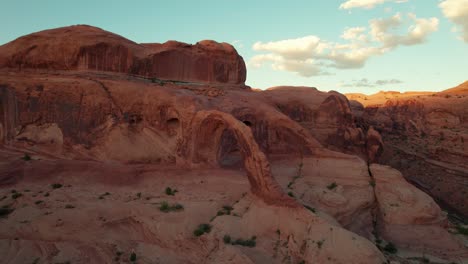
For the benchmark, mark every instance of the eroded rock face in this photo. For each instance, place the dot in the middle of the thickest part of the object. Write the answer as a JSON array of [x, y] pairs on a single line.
[[328, 117], [90, 48], [127, 132], [411, 218], [425, 138]]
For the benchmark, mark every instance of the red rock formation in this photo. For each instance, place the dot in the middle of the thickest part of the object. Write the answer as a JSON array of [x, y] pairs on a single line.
[[424, 135], [126, 132], [207, 128], [89, 48], [327, 116]]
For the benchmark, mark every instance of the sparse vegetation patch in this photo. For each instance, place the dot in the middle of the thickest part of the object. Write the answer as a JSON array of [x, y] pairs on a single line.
[[170, 191], [390, 248], [166, 207], [241, 242], [56, 185], [332, 186], [202, 229], [5, 211]]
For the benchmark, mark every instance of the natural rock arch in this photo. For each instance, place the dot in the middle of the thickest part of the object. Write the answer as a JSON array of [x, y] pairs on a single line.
[[203, 142]]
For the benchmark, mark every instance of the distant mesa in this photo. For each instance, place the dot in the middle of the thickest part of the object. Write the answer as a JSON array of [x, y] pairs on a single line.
[[85, 47]]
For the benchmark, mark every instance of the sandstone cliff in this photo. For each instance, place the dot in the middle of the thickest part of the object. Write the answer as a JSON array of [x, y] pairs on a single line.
[[89, 48], [89, 149]]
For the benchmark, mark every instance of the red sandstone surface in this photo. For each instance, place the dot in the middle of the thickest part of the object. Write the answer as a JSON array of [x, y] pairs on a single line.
[[94, 128]]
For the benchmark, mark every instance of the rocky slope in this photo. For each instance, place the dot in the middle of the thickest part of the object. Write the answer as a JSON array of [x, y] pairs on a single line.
[[88, 154], [425, 137]]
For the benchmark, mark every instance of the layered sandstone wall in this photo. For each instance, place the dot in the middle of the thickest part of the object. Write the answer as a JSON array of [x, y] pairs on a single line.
[[90, 48]]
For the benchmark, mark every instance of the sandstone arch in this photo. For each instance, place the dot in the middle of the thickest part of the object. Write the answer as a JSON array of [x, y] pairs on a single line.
[[202, 146], [276, 133]]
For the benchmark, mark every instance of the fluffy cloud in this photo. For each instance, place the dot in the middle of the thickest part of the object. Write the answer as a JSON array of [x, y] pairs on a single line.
[[366, 4], [382, 30], [366, 83], [457, 12], [311, 56]]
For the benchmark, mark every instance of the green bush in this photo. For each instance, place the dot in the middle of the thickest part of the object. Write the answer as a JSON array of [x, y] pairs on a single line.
[[332, 186], [69, 206], [320, 244], [170, 191], [133, 257], [166, 207], [202, 229], [56, 185], [390, 248], [16, 195], [310, 208], [226, 210], [26, 157], [245, 243], [462, 230], [5, 211], [227, 239]]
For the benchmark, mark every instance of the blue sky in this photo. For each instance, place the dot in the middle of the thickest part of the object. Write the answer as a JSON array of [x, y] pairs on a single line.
[[294, 42]]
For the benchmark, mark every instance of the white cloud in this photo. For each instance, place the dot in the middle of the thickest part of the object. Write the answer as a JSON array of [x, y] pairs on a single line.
[[311, 56], [292, 48], [382, 30], [457, 12], [371, 84], [366, 4]]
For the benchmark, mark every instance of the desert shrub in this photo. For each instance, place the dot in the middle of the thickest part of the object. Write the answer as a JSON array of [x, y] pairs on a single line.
[[69, 206], [5, 211], [462, 230], [26, 157], [170, 191], [390, 248], [226, 210], [227, 239], [104, 195], [310, 208], [291, 194], [246, 243], [372, 183], [133, 257], [16, 195], [241, 242], [332, 186], [320, 244], [166, 207], [39, 202], [202, 229], [56, 185]]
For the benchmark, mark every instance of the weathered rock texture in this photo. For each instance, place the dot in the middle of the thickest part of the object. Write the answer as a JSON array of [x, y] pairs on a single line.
[[425, 137], [328, 117], [89, 48], [410, 218], [104, 134]]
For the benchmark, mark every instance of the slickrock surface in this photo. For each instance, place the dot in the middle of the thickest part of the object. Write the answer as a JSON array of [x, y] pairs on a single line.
[[95, 129]]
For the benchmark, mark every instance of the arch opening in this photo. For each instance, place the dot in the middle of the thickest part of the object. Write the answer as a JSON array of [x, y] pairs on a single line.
[[229, 155], [217, 137]]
